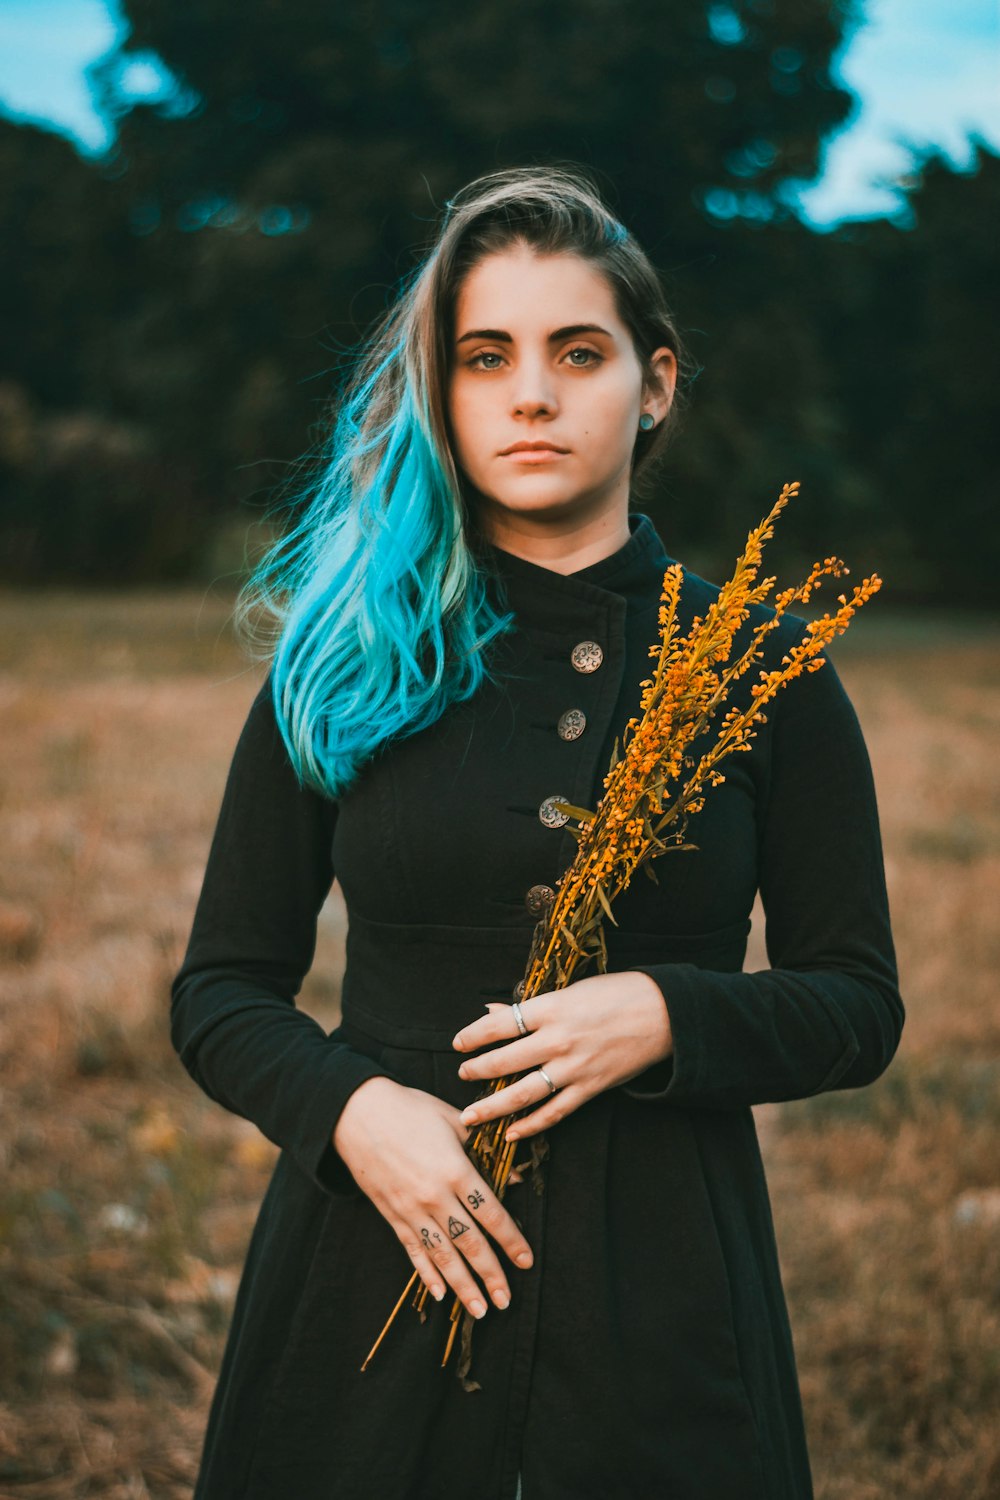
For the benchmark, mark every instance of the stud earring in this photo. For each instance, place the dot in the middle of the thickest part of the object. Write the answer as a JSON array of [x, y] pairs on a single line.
[[647, 420]]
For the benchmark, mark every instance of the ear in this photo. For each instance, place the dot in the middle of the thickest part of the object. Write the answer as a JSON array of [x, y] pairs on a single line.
[[659, 394]]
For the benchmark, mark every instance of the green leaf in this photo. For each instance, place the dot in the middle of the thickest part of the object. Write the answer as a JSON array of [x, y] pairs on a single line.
[[570, 938], [575, 812], [605, 902]]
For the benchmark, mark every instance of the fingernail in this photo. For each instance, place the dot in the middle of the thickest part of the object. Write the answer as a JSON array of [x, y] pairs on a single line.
[[456, 1041], [512, 1135], [437, 1292], [477, 1308], [525, 1258], [501, 1299]]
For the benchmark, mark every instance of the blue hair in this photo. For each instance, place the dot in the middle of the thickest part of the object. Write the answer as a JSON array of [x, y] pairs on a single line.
[[381, 588], [384, 609]]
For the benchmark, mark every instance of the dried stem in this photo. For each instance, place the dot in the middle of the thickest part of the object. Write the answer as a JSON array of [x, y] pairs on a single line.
[[679, 704]]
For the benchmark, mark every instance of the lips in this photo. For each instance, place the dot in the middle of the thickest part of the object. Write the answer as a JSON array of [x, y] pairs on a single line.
[[533, 457], [539, 447]]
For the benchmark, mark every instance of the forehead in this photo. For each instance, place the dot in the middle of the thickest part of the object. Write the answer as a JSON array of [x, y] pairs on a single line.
[[519, 289]]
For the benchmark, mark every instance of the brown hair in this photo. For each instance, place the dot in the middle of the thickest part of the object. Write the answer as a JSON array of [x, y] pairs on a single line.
[[378, 592], [557, 210]]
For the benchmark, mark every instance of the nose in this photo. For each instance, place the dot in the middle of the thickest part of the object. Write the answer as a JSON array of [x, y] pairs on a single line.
[[533, 389]]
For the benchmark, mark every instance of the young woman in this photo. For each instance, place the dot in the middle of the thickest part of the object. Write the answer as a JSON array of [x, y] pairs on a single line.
[[464, 610]]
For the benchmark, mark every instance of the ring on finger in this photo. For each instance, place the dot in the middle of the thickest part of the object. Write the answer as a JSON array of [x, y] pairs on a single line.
[[553, 1087], [522, 1025]]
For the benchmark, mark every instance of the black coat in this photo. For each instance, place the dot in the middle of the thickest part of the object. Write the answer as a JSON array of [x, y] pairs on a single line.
[[647, 1351]]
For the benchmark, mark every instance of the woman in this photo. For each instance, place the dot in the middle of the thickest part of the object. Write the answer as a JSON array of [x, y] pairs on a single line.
[[464, 627]]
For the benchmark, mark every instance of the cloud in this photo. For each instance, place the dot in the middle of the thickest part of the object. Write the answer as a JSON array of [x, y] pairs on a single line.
[[926, 72], [44, 48]]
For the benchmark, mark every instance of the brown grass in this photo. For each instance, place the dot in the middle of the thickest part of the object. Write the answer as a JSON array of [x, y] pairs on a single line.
[[127, 1198]]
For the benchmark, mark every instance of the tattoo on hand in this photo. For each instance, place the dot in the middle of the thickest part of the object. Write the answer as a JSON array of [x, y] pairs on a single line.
[[456, 1227], [475, 1198], [427, 1236]]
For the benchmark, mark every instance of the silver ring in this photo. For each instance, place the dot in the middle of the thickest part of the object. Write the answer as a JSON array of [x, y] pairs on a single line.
[[516, 1008], [552, 1086]]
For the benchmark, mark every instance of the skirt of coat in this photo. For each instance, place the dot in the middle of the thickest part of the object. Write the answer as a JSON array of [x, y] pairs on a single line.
[[646, 1351]]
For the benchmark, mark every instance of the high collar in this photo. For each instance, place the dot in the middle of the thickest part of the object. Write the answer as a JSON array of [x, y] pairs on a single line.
[[542, 596]]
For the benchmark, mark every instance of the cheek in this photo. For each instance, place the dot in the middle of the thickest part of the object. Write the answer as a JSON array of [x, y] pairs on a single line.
[[607, 437], [609, 408], [466, 404], [461, 418]]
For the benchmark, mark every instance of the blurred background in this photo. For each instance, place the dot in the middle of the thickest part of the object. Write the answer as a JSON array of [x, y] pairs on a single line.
[[203, 207]]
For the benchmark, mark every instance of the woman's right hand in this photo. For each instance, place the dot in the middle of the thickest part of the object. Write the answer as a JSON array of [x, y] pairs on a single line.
[[405, 1149]]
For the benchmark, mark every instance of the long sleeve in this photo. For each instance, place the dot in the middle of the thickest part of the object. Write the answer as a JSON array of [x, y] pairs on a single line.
[[828, 1013], [234, 1022]]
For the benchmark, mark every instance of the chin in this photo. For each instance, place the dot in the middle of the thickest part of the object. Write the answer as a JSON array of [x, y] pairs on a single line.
[[542, 508]]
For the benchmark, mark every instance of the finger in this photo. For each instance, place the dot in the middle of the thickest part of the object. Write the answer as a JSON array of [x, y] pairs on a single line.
[[469, 1237], [514, 1057], [506, 1101], [458, 1124], [426, 1269], [556, 1108], [499, 1025], [463, 1245], [496, 1221]]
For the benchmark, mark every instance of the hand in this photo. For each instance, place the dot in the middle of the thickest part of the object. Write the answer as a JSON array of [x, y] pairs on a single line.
[[404, 1148], [593, 1034]]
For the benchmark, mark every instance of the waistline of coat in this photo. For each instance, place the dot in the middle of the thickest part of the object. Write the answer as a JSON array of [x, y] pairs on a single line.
[[417, 984]]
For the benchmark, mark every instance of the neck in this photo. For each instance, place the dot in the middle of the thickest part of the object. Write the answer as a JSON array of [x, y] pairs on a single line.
[[563, 543]]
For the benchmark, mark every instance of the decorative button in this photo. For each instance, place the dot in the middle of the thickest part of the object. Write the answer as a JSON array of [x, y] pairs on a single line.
[[572, 724], [586, 656], [539, 898], [550, 814], [519, 989]]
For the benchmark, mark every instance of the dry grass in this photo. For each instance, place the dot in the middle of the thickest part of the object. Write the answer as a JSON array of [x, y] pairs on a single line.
[[126, 1197]]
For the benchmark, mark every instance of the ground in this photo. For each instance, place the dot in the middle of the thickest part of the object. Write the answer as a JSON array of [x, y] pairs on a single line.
[[127, 1197]]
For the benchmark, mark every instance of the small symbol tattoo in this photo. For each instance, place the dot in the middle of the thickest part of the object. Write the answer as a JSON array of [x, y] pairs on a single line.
[[475, 1198], [427, 1236], [456, 1227]]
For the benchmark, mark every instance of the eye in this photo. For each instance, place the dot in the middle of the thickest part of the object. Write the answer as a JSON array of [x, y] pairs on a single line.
[[486, 354], [582, 349], [592, 358]]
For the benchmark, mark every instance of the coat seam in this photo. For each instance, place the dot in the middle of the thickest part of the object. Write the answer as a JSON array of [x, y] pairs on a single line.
[[755, 1427], [282, 1363]]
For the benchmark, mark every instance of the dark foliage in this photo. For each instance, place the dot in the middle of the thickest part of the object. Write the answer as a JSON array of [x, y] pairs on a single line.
[[200, 287]]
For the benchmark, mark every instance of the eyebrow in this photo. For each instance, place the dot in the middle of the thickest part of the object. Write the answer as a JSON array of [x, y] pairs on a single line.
[[500, 336]]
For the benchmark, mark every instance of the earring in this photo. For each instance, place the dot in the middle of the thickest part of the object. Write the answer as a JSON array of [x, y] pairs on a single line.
[[647, 420]]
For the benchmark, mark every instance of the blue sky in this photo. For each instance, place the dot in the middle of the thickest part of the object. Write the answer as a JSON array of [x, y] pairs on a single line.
[[927, 72]]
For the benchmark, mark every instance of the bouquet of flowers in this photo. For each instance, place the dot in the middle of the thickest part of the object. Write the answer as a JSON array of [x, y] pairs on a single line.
[[653, 787]]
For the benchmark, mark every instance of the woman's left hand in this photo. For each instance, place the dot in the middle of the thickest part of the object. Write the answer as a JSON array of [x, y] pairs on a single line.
[[593, 1034]]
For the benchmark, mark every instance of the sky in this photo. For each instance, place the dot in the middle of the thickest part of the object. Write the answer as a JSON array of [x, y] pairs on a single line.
[[927, 73]]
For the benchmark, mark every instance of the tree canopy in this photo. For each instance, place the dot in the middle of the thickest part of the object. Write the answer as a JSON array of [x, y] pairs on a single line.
[[186, 299]]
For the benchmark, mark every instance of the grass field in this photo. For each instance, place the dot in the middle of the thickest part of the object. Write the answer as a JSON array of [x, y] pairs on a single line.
[[127, 1198]]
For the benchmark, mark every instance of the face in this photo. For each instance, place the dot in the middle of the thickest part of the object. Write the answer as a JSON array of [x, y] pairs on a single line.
[[539, 355]]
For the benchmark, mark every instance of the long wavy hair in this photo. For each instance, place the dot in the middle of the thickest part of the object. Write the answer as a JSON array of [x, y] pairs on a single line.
[[375, 599]]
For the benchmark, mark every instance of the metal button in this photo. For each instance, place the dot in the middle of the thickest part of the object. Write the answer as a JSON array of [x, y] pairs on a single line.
[[586, 656], [549, 813], [572, 724], [539, 898]]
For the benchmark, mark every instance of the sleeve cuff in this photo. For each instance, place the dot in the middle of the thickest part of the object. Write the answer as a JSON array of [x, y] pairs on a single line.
[[674, 1080], [347, 1070]]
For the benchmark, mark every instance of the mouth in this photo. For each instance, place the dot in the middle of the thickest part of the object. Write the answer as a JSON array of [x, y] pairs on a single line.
[[533, 453]]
